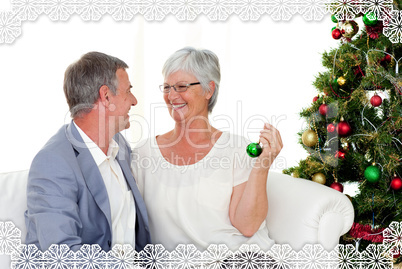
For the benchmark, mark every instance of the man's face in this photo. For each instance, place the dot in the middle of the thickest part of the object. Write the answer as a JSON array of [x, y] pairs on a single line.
[[121, 103]]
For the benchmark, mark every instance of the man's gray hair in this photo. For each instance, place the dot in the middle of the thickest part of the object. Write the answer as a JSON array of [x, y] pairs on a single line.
[[84, 78], [203, 64]]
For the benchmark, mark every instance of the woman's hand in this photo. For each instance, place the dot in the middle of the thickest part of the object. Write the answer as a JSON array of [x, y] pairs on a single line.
[[271, 141]]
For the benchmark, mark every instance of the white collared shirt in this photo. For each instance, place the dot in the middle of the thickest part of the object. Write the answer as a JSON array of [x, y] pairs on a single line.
[[121, 199]]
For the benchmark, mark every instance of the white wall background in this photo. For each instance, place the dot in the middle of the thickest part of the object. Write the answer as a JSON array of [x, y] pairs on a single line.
[[267, 71]]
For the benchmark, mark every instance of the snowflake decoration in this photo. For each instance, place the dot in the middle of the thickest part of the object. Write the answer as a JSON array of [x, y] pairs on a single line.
[[345, 9], [281, 9], [185, 256], [59, 9], [314, 256], [393, 27], [249, 10], [155, 257], [10, 237], [59, 256], [313, 9], [26, 257], [217, 9], [27, 9], [91, 257], [188, 256], [215, 256], [248, 257], [348, 257], [393, 238], [122, 257], [154, 10], [10, 27], [91, 10], [186, 9], [381, 8], [283, 256], [375, 257], [123, 10]]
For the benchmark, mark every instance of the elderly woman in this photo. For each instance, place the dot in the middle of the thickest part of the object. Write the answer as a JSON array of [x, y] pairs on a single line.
[[198, 183]]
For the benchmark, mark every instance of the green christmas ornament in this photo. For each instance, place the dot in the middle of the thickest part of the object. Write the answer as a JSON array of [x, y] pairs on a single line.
[[372, 173], [370, 19], [254, 150], [334, 19]]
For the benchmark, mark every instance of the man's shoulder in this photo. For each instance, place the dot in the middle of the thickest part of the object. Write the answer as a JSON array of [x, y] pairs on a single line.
[[58, 145], [56, 159]]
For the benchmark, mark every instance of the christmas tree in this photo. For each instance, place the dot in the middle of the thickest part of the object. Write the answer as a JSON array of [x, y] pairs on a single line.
[[354, 124]]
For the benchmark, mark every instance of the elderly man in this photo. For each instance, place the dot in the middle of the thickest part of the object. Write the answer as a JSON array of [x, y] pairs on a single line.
[[80, 187]]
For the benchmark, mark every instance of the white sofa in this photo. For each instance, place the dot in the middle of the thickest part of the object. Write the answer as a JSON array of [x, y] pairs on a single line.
[[300, 211]]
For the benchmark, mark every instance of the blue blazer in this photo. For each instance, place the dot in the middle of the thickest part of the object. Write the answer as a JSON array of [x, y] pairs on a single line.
[[67, 198]]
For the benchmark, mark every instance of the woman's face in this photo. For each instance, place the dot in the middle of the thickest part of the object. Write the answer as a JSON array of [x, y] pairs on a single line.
[[188, 105]]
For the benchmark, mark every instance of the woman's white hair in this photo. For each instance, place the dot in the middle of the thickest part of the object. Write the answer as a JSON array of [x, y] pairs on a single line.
[[203, 64]]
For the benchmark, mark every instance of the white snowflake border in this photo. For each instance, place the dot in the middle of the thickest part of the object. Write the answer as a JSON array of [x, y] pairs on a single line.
[[157, 10], [188, 256]]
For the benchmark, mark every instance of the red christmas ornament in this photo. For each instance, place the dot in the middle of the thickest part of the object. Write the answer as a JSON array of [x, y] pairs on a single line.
[[387, 58], [396, 183], [315, 99], [340, 154], [343, 129], [323, 109], [330, 128], [376, 100], [337, 186], [336, 34]]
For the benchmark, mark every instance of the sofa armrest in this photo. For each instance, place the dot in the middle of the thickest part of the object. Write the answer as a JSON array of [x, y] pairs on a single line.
[[304, 212]]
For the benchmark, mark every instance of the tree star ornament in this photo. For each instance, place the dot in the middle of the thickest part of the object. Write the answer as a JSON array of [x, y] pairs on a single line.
[[372, 173], [254, 150]]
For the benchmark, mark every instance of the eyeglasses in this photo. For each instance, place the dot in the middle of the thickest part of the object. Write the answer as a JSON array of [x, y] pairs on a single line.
[[178, 87]]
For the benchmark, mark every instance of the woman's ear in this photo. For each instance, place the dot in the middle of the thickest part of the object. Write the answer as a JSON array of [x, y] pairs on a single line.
[[211, 89]]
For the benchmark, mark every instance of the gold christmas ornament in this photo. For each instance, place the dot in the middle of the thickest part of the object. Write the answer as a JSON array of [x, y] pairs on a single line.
[[319, 178], [341, 81], [349, 29], [309, 138]]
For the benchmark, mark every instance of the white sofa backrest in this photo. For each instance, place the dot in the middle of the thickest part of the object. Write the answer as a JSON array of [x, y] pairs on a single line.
[[13, 199]]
